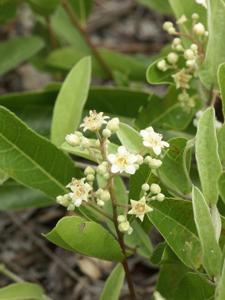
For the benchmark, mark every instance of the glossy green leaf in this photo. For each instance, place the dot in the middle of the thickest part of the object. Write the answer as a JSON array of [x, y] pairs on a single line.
[[156, 76], [70, 101], [211, 251], [43, 7], [130, 138], [207, 156], [31, 159], [14, 196], [17, 50], [113, 284], [174, 220], [3, 177], [159, 5], [141, 175], [22, 291], [214, 51], [174, 172], [194, 287], [85, 237], [221, 81]]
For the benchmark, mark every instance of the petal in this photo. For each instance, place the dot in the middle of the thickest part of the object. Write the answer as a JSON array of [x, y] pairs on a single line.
[[77, 202], [141, 217], [165, 144], [130, 169], [115, 169], [157, 150], [147, 144], [144, 133], [132, 158], [122, 150], [111, 158]]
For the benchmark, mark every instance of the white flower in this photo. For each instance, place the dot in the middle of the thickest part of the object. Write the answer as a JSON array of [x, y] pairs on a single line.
[[182, 20], [139, 208], [73, 139], [80, 191], [202, 2], [94, 121], [113, 124], [123, 161], [153, 140], [199, 29]]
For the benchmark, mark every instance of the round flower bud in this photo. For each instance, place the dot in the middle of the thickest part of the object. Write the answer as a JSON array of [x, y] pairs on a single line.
[[105, 195], [124, 226], [89, 171], [155, 163], [71, 207], [130, 230], [194, 47], [206, 33], [85, 143], [100, 202], [97, 143], [160, 197], [190, 63], [179, 48], [189, 54], [106, 133], [195, 16], [140, 159], [176, 41], [167, 25], [145, 187], [106, 176], [90, 177], [121, 219], [172, 58], [172, 30], [113, 124], [155, 188], [73, 139], [63, 200], [162, 65], [148, 159], [102, 169], [199, 29]]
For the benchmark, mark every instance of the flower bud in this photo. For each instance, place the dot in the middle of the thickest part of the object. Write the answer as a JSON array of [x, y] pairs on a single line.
[[145, 187], [162, 65], [155, 188], [140, 159], [176, 41], [124, 226], [172, 58], [130, 230], [155, 163], [194, 47], [199, 29], [106, 133], [90, 177], [167, 25], [105, 195], [71, 207], [113, 124], [89, 171], [189, 54], [100, 202], [73, 139], [179, 48], [195, 16], [121, 219], [85, 143], [172, 31], [63, 200], [190, 63], [160, 197]]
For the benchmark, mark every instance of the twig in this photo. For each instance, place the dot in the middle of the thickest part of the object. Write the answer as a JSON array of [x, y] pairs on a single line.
[[51, 34], [67, 7], [10, 274]]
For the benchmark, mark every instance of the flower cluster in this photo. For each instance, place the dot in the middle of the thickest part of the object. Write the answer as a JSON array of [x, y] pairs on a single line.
[[184, 61], [121, 161]]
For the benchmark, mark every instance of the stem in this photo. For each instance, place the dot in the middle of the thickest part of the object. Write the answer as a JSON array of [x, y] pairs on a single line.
[[9, 274], [121, 242], [51, 34], [86, 37]]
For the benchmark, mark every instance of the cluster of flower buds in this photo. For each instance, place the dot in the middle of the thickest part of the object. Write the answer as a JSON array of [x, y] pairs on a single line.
[[189, 57], [120, 161]]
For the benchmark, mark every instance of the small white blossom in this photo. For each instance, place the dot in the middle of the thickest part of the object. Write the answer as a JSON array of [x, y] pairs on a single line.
[[80, 191], [94, 121], [145, 187], [182, 20], [199, 29], [123, 161], [153, 140], [182, 79], [139, 208]]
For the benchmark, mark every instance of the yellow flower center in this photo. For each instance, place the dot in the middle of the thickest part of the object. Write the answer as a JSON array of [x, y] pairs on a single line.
[[140, 208], [122, 161]]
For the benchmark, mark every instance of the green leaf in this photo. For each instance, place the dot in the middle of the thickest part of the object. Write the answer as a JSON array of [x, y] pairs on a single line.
[[3, 177], [31, 159], [14, 196], [221, 184], [221, 81], [141, 175], [8, 10], [82, 8], [130, 138], [221, 144], [165, 112], [160, 5], [194, 287], [174, 220], [17, 50], [43, 7], [113, 284], [203, 220], [207, 156], [85, 237], [22, 291], [174, 172], [156, 76], [214, 52], [70, 101], [220, 291]]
